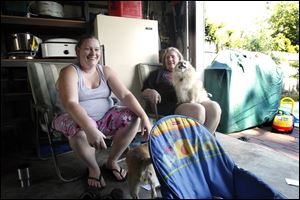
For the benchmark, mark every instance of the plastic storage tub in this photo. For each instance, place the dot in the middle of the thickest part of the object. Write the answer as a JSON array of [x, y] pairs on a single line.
[[131, 9]]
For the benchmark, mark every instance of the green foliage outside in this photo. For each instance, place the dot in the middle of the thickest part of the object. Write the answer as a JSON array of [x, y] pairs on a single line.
[[285, 21], [295, 64], [279, 32]]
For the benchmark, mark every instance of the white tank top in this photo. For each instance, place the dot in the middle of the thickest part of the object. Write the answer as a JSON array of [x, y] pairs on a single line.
[[96, 101]]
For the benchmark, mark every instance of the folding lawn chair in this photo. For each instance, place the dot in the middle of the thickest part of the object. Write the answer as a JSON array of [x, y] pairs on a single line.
[[144, 69], [42, 77], [190, 163]]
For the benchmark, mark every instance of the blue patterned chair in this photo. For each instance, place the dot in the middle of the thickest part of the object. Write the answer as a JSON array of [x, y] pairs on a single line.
[[191, 164]]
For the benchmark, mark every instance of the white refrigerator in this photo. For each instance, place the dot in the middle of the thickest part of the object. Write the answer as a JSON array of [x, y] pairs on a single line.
[[126, 43]]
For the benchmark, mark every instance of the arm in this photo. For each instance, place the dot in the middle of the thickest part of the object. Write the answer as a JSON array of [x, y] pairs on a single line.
[[119, 89], [150, 94], [148, 90], [68, 92]]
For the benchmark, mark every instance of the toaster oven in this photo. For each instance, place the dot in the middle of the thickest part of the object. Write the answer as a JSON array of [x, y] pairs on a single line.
[[59, 47]]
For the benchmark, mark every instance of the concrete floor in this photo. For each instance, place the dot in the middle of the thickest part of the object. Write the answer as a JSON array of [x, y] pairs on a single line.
[[286, 144], [266, 163], [46, 185]]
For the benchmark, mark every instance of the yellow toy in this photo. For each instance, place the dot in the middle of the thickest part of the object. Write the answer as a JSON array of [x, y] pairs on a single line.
[[284, 120]]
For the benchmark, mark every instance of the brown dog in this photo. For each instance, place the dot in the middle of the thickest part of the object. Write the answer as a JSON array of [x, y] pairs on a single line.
[[140, 170]]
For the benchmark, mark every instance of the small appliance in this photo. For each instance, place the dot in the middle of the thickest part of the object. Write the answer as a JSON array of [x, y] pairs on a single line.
[[23, 45], [59, 47]]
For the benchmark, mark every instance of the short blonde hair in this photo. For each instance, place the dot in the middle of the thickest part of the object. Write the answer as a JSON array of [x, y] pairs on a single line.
[[167, 50]]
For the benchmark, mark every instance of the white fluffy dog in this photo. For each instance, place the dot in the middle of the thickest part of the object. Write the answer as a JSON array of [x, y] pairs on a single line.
[[189, 89]]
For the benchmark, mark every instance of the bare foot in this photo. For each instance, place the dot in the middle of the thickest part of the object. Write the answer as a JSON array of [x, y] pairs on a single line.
[[95, 179], [119, 173]]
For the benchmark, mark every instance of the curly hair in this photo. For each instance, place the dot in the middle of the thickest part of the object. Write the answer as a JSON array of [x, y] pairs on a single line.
[[167, 50]]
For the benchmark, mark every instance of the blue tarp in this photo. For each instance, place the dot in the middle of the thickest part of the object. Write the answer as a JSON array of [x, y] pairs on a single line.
[[247, 86]]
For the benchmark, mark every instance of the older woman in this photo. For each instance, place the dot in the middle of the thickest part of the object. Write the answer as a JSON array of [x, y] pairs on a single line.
[[158, 89]]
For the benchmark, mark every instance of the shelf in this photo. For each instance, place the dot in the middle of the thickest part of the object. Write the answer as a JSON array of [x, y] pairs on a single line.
[[22, 62], [15, 87], [12, 123], [45, 22], [16, 96]]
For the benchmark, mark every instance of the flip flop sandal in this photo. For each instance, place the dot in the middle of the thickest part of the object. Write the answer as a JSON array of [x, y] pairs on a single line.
[[89, 195], [116, 193], [111, 171], [96, 179]]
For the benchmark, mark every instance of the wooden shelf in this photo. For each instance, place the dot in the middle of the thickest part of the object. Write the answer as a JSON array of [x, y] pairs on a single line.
[[22, 62], [15, 89], [16, 96], [12, 123], [45, 22]]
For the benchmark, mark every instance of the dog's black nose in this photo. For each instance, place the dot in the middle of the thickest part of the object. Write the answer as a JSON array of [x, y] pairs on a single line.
[[182, 65]]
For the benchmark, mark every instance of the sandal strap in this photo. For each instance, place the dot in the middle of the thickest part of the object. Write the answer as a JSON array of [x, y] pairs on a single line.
[[96, 179], [93, 178], [120, 171]]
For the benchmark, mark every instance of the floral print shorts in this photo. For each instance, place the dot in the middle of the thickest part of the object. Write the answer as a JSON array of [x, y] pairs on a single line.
[[114, 118]]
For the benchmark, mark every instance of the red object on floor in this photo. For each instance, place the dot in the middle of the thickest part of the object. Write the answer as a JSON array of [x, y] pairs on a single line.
[[131, 9], [283, 129]]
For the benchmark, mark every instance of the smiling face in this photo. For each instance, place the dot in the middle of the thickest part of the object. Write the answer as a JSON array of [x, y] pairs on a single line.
[[89, 52], [171, 59]]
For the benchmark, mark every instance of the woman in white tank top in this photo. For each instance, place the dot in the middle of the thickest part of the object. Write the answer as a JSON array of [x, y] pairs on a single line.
[[85, 93]]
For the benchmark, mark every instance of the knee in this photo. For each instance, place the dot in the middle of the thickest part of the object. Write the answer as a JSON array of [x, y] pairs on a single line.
[[196, 111], [215, 108], [199, 110], [79, 136], [130, 117], [199, 113], [137, 120], [133, 121]]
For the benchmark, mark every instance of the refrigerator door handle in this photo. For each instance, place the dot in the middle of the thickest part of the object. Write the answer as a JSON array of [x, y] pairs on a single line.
[[102, 60]]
